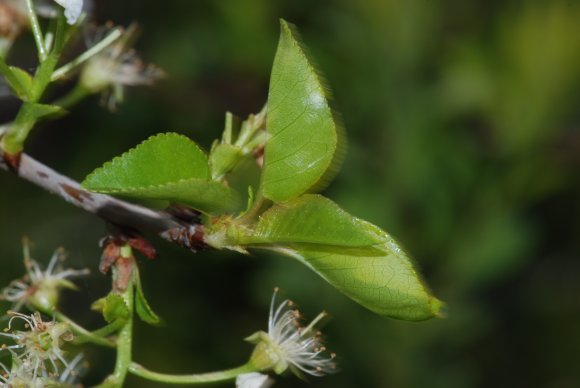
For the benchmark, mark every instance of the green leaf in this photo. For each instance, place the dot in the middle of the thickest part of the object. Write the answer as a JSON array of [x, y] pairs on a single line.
[[19, 80], [99, 304], [115, 308], [34, 112], [206, 196], [305, 146], [142, 307], [161, 159], [223, 159], [312, 219], [20, 83], [385, 282], [164, 167]]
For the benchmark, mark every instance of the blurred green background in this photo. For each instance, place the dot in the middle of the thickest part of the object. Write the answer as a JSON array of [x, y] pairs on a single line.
[[463, 121]]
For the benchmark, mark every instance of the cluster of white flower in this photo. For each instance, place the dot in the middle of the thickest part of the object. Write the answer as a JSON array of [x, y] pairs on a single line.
[[37, 356]]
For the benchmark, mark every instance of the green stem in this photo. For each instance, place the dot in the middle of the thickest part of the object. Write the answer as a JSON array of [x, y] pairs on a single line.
[[18, 131], [125, 336], [81, 334], [29, 114], [203, 378], [42, 77], [260, 202], [49, 35], [103, 44], [61, 36], [36, 31], [111, 328], [124, 343], [77, 94]]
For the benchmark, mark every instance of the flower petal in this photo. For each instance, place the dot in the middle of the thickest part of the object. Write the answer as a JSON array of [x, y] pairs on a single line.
[[254, 380], [72, 9]]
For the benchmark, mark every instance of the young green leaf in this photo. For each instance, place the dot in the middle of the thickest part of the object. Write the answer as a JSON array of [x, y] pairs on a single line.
[[142, 307], [20, 83], [385, 282], [34, 111], [206, 196], [223, 159], [161, 159], [305, 143], [164, 167], [115, 308], [312, 219]]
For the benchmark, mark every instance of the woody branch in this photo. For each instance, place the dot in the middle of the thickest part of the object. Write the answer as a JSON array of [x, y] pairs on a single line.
[[113, 210]]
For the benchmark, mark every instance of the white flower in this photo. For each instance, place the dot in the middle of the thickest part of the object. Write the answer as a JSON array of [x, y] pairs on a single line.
[[22, 375], [40, 288], [72, 9], [253, 380], [37, 350], [116, 67], [288, 344]]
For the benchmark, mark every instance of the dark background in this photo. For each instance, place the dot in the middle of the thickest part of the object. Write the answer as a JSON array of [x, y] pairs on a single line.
[[464, 140]]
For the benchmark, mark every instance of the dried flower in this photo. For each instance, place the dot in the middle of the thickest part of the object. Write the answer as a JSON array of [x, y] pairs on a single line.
[[39, 288], [72, 9], [254, 380], [37, 351], [288, 344], [116, 67]]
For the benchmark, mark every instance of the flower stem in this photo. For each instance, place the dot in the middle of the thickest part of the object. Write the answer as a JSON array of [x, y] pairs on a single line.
[[77, 94], [31, 112], [103, 44], [203, 378], [125, 338], [82, 334], [36, 31], [108, 330]]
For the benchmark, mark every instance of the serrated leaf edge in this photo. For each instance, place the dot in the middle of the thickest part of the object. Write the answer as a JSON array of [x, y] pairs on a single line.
[[115, 160], [334, 164], [140, 188]]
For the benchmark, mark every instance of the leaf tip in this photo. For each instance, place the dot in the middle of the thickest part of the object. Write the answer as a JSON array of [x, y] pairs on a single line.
[[284, 25], [439, 308]]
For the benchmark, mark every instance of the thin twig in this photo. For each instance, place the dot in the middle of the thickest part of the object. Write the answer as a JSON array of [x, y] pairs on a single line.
[[113, 210]]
